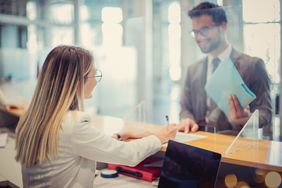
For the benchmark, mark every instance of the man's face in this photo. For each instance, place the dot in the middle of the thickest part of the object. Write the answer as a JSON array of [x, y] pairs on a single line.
[[207, 35]]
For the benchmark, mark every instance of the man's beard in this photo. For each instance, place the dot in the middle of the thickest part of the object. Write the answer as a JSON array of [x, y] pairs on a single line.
[[213, 46]]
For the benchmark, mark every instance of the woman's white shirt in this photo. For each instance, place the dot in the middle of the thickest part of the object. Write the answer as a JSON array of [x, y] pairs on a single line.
[[81, 144]]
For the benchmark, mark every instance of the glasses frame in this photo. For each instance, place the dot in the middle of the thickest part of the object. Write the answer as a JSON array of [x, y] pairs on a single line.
[[98, 75], [205, 31]]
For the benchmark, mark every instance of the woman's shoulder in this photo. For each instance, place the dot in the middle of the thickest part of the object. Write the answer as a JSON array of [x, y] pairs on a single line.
[[75, 118]]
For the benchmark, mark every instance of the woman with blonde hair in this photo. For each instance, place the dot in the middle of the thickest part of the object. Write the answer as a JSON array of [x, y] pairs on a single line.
[[56, 143]]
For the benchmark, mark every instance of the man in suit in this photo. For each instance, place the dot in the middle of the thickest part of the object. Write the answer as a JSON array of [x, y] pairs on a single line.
[[209, 25]]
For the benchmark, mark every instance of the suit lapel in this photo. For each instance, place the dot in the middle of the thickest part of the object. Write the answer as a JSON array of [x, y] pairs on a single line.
[[234, 56]]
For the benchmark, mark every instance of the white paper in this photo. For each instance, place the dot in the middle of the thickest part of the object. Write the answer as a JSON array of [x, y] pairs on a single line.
[[184, 137], [3, 139]]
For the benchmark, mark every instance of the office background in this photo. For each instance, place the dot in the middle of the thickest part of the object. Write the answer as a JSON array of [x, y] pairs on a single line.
[[142, 47]]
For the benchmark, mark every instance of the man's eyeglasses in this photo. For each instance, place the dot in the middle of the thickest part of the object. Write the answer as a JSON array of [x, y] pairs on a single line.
[[98, 76], [205, 31]]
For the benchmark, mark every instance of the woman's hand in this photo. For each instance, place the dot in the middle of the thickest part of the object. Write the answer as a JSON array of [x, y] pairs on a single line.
[[125, 135], [166, 133]]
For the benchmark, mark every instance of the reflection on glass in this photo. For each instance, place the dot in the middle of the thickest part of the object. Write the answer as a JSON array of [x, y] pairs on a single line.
[[138, 113]]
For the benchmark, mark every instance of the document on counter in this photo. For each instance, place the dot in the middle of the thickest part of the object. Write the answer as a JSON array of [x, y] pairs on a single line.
[[3, 139], [184, 137], [226, 81]]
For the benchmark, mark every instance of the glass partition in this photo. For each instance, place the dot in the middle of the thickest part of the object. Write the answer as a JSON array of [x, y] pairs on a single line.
[[138, 113], [247, 138]]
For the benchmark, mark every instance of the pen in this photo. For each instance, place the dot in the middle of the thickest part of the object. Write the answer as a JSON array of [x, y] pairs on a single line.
[[167, 119], [117, 136]]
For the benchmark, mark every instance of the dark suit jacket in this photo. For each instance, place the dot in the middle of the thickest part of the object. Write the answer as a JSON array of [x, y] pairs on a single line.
[[194, 98]]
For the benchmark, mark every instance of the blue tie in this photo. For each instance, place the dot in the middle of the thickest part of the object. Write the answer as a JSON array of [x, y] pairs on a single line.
[[215, 63]]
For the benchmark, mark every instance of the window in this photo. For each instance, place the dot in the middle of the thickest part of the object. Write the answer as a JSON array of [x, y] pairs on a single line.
[[174, 40], [111, 18], [262, 33]]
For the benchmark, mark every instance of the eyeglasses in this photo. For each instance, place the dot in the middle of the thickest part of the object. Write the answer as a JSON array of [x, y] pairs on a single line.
[[205, 31], [98, 76]]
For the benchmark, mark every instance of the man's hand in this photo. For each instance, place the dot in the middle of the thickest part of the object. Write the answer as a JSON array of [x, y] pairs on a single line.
[[236, 114], [188, 125]]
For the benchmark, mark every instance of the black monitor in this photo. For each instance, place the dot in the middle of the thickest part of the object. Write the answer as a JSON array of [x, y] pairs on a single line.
[[189, 166]]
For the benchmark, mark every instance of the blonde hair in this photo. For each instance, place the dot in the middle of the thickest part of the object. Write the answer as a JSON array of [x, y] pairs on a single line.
[[59, 89]]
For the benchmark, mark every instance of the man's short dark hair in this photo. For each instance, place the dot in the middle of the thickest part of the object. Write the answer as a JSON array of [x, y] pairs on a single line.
[[206, 8]]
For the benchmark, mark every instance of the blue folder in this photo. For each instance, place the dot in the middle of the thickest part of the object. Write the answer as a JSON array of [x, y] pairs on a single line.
[[226, 81]]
